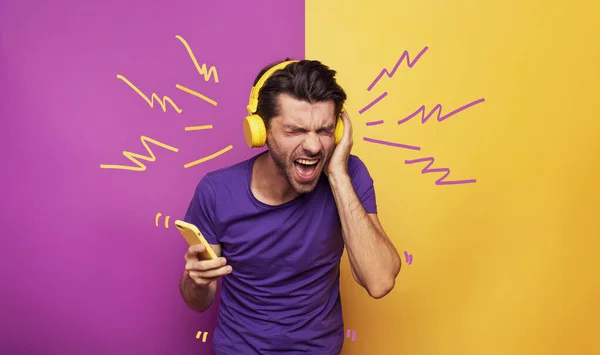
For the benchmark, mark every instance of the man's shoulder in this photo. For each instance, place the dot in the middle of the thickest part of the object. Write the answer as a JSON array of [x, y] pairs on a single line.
[[354, 161], [226, 176], [357, 167]]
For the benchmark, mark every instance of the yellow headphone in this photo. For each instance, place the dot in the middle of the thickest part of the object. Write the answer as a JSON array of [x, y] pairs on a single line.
[[255, 131]]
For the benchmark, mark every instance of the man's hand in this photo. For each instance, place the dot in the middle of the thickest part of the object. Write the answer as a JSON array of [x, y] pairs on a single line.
[[203, 272], [338, 164]]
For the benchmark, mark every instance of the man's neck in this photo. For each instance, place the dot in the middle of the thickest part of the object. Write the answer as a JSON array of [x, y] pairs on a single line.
[[268, 183]]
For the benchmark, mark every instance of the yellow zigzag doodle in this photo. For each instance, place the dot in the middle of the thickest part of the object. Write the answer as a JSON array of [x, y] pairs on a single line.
[[201, 70], [133, 156], [162, 103]]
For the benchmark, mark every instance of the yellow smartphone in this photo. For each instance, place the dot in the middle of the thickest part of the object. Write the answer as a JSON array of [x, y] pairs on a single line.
[[193, 236]]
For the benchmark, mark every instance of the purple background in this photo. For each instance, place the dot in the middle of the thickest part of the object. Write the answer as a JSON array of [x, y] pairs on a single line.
[[84, 268]]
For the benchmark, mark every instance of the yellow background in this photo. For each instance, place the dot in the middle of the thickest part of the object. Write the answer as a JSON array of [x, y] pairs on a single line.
[[505, 265]]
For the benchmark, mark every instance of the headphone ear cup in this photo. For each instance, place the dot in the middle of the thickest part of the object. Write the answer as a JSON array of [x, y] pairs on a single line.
[[255, 131], [339, 130]]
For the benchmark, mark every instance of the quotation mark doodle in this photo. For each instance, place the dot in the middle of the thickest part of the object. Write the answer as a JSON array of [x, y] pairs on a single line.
[[353, 334], [408, 257], [167, 218], [203, 337]]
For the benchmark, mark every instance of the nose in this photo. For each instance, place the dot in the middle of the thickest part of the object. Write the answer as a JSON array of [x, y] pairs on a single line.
[[312, 144]]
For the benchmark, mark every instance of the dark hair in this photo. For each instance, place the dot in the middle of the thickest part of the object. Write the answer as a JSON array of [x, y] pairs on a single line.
[[306, 80]]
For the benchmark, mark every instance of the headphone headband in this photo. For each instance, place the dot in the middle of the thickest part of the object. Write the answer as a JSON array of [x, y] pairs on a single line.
[[253, 101]]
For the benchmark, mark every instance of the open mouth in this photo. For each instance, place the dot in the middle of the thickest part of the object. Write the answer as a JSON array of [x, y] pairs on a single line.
[[306, 169]]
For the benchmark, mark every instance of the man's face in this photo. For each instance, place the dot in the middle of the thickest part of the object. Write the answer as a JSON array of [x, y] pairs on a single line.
[[301, 140]]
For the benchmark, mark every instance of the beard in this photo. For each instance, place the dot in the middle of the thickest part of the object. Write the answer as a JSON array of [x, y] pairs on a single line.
[[286, 167]]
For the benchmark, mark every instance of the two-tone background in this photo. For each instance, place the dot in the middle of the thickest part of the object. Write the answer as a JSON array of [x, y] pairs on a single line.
[[502, 95]]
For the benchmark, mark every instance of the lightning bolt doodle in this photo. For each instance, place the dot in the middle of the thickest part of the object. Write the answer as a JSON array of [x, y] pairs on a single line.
[[201, 69], [441, 180], [135, 156], [410, 64], [162, 103], [438, 108], [209, 157]]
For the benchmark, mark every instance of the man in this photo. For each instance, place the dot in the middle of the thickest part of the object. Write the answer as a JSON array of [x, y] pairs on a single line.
[[279, 223]]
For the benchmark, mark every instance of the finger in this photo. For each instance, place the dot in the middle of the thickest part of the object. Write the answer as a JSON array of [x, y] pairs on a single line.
[[196, 275], [346, 118], [193, 251], [205, 264], [201, 281], [345, 115], [212, 273], [347, 125]]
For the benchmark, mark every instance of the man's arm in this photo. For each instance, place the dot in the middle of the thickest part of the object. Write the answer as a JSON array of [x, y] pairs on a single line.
[[374, 261], [198, 297], [198, 284]]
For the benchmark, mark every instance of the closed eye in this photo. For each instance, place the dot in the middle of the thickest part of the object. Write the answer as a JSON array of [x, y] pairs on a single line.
[[326, 130], [297, 130]]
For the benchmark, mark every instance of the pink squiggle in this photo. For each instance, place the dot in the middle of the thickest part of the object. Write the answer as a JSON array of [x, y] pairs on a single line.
[[391, 144], [402, 57], [438, 108], [373, 123], [364, 109], [441, 180]]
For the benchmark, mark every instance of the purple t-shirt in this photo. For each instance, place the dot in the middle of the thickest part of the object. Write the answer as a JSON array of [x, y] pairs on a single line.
[[283, 294]]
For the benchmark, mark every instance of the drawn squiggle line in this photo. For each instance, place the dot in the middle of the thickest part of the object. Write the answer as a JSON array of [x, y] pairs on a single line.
[[441, 180], [402, 57], [132, 156], [438, 108], [162, 103], [373, 123], [201, 70], [197, 94], [364, 109], [198, 128], [209, 157], [391, 144]]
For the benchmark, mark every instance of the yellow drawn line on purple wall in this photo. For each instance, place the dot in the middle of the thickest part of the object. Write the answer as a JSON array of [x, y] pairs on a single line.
[[198, 128], [167, 218], [209, 157], [197, 94], [132, 156], [162, 102], [201, 69]]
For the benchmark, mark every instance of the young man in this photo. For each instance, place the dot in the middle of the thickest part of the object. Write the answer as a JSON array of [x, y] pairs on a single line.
[[279, 223]]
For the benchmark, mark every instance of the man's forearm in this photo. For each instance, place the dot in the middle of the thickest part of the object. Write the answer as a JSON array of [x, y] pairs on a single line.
[[374, 260], [196, 297]]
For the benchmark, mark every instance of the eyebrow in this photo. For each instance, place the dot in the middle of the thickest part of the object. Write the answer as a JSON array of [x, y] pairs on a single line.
[[302, 129]]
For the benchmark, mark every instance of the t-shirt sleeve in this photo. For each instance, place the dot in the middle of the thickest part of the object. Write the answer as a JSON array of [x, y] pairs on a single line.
[[201, 210], [363, 183]]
